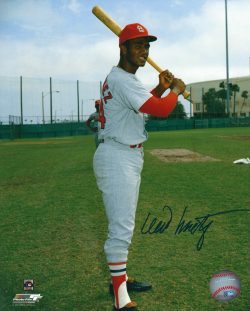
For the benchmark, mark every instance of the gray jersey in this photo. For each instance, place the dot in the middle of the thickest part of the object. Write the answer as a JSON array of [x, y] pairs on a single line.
[[123, 95]]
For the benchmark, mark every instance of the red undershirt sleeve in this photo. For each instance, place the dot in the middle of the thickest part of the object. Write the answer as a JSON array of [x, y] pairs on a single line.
[[160, 107]]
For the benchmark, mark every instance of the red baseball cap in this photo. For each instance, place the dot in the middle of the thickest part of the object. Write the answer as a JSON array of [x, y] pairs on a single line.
[[133, 31]]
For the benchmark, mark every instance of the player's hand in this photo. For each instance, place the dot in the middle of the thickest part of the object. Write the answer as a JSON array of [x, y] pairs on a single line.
[[165, 79], [178, 86]]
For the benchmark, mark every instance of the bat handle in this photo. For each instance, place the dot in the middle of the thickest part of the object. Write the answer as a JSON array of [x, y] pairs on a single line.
[[153, 64], [186, 94]]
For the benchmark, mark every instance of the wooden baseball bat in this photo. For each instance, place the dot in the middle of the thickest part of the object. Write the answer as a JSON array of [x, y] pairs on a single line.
[[116, 29]]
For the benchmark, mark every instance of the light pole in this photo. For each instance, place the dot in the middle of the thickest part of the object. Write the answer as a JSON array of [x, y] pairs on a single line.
[[249, 65], [82, 109], [227, 62], [43, 95]]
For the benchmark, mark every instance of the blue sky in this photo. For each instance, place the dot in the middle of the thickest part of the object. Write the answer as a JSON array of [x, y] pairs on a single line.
[[63, 39]]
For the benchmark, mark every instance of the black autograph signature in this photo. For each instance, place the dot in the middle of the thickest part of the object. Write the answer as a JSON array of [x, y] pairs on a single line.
[[201, 224]]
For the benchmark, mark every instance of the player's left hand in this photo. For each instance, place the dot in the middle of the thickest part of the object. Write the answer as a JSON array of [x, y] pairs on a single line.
[[178, 86], [165, 79]]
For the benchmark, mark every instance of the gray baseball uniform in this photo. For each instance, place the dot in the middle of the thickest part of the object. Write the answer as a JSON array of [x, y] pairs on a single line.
[[118, 161]]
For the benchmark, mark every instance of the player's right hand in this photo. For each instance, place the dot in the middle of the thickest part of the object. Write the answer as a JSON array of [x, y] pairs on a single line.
[[178, 86], [165, 79]]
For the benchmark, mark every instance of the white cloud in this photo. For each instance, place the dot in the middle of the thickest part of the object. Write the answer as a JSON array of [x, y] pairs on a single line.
[[74, 6], [192, 46], [177, 2], [198, 50], [29, 14], [71, 58]]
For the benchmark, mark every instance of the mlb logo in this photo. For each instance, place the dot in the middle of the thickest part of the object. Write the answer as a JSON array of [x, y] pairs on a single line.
[[28, 284]]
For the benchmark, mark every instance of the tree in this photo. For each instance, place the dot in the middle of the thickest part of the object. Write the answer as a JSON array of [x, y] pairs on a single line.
[[244, 95], [222, 94], [178, 112], [214, 106], [222, 85], [235, 89]]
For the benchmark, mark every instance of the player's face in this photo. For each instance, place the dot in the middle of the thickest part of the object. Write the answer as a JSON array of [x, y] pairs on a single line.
[[137, 51]]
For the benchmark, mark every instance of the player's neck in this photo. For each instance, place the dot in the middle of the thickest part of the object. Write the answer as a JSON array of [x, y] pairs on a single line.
[[127, 66]]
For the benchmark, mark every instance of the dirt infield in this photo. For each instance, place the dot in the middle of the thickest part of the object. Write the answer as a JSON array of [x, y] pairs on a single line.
[[240, 137], [180, 155]]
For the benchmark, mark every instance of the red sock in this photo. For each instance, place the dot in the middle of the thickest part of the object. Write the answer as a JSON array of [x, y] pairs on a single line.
[[119, 278]]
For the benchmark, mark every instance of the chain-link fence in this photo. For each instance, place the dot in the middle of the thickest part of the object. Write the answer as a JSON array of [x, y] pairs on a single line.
[[33, 107], [42, 101]]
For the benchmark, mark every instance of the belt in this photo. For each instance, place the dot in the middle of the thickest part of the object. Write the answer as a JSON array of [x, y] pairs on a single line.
[[130, 146], [136, 146]]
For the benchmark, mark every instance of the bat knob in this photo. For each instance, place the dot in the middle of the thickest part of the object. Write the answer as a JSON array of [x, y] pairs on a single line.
[[186, 94]]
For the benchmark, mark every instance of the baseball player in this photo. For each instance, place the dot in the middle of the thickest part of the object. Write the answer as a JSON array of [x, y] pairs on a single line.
[[92, 122], [118, 160]]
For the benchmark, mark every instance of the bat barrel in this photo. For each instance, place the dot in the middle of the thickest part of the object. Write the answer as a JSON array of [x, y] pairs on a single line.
[[106, 19]]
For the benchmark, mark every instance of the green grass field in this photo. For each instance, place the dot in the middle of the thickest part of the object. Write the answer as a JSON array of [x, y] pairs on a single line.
[[53, 225]]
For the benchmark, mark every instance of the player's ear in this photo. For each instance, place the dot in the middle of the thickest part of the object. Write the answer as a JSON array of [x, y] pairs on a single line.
[[123, 49]]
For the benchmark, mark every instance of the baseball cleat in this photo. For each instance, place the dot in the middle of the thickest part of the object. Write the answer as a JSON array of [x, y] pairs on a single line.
[[133, 285], [131, 306]]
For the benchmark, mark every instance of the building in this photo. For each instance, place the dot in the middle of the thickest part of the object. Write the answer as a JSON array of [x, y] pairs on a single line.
[[242, 106]]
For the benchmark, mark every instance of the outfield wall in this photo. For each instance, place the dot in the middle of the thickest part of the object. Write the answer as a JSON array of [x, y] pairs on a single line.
[[14, 131], [183, 124]]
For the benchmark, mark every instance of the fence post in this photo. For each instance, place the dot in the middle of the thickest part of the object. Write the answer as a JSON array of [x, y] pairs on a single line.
[[51, 107], [78, 104], [191, 102], [202, 101], [21, 98]]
